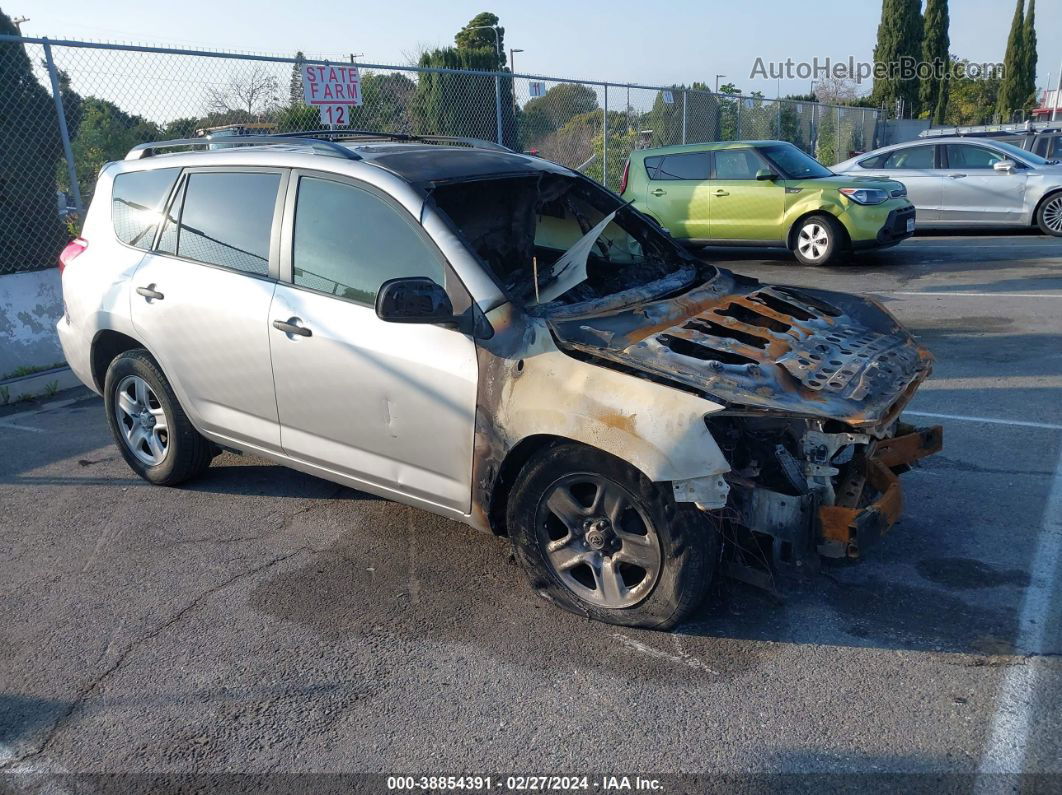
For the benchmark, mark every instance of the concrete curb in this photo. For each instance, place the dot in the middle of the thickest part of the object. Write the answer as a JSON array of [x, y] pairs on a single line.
[[37, 384]]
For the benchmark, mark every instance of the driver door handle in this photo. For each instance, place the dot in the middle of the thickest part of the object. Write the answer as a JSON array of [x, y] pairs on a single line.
[[659, 192], [722, 192], [150, 293], [292, 328], [956, 176]]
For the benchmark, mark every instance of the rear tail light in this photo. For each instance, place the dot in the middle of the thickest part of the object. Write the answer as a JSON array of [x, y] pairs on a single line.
[[623, 179], [71, 252]]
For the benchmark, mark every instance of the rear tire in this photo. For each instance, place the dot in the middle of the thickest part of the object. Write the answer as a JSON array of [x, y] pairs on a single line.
[[149, 426], [1049, 215], [818, 240], [650, 567]]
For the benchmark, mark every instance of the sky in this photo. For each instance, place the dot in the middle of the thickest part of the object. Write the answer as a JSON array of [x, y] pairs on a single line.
[[652, 43]]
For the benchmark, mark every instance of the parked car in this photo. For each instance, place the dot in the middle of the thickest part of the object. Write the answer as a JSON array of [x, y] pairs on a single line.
[[496, 339], [969, 182], [1040, 138], [765, 193]]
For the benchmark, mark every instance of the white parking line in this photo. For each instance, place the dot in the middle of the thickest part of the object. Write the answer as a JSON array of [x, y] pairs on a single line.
[[1009, 735], [15, 427], [968, 295], [1047, 426]]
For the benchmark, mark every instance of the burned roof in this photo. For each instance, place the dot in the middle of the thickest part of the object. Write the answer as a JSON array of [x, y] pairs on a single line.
[[426, 164]]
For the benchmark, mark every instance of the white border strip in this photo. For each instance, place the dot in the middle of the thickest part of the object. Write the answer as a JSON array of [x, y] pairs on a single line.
[[1009, 735], [930, 294]]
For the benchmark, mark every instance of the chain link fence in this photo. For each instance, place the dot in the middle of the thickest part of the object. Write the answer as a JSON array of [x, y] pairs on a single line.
[[68, 107]]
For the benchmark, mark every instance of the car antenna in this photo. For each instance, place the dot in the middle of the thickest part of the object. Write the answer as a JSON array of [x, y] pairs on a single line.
[[534, 270]]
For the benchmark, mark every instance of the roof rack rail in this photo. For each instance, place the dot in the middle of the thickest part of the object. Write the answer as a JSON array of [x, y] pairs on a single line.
[[324, 141], [364, 135], [988, 130], [324, 146]]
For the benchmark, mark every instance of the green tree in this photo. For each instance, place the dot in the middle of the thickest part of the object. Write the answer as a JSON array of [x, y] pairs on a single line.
[[826, 139], [971, 99], [544, 115], [1029, 46], [476, 35], [1011, 94], [899, 48], [462, 104], [933, 94], [295, 93], [665, 120], [31, 232], [183, 127], [106, 133]]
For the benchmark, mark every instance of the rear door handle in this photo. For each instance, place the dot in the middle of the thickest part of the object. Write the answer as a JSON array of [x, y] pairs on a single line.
[[659, 192], [722, 192], [956, 176], [291, 327], [150, 293]]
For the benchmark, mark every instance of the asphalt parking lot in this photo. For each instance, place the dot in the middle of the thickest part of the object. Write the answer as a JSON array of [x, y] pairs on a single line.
[[261, 620]]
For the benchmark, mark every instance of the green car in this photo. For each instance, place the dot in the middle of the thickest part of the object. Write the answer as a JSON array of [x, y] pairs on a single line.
[[765, 193]]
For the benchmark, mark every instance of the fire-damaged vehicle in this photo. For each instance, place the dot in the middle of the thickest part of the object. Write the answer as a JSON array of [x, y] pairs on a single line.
[[499, 340]]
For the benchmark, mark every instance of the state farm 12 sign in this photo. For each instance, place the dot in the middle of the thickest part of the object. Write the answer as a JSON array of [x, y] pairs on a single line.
[[333, 90]]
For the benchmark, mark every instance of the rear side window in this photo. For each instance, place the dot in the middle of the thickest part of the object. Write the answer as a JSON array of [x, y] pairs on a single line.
[[348, 242], [688, 165], [912, 157], [137, 198], [227, 220]]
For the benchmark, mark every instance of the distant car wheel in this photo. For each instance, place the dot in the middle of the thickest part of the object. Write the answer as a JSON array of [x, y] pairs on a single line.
[[818, 240], [597, 538], [149, 426], [1049, 216]]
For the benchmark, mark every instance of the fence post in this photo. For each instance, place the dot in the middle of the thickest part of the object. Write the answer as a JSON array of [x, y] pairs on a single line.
[[64, 132], [779, 103], [604, 140], [685, 101], [837, 126], [497, 105]]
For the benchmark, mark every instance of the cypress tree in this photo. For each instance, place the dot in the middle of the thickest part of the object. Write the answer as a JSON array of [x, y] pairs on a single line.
[[1010, 93], [935, 47], [1029, 45], [899, 45]]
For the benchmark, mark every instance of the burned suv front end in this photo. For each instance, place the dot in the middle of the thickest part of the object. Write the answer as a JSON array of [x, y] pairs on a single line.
[[812, 384]]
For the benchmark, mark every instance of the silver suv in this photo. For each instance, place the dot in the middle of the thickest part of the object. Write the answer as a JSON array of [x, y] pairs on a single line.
[[496, 339]]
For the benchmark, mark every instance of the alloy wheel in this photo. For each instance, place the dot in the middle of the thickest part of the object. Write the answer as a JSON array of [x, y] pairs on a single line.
[[142, 421], [813, 241], [599, 541], [1052, 215]]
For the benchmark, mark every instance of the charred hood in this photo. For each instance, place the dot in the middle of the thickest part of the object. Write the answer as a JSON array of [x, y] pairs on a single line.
[[746, 344]]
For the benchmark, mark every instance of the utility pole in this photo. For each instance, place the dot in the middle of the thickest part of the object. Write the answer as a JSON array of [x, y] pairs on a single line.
[[497, 76]]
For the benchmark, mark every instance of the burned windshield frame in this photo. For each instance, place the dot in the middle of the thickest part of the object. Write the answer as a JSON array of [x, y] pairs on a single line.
[[500, 228]]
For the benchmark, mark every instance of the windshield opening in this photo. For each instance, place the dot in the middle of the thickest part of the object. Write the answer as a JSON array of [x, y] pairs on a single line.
[[548, 223], [793, 163]]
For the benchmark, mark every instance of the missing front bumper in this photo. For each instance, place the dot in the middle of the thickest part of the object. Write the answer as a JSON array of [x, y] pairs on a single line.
[[845, 531]]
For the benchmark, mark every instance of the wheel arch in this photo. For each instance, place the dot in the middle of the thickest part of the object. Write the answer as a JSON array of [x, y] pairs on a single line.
[[515, 460], [1052, 194], [790, 241], [106, 347]]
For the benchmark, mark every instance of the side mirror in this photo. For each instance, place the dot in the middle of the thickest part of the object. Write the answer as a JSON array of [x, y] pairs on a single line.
[[413, 299], [765, 174], [1005, 165]]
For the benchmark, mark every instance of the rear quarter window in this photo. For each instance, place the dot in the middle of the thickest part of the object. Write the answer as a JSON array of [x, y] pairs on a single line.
[[137, 198], [652, 165]]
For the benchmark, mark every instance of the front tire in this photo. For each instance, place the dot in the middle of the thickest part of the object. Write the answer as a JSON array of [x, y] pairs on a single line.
[[818, 240], [1049, 216], [149, 426], [595, 537]]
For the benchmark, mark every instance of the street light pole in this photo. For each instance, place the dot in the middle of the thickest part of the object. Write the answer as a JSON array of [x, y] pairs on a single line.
[[512, 69], [497, 76], [717, 82]]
